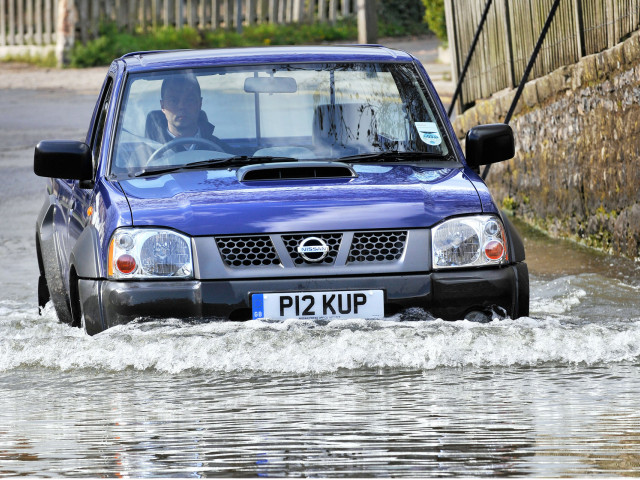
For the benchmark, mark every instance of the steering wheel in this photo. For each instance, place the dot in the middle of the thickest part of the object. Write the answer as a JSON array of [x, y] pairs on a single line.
[[183, 141]]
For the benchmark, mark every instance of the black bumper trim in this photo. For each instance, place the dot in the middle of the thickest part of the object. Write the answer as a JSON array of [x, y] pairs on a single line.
[[449, 295]]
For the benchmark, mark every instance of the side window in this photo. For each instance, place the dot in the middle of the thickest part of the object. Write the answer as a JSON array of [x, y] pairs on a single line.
[[96, 143]]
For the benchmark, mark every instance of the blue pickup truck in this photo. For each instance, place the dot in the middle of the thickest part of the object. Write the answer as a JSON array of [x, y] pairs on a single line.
[[274, 183]]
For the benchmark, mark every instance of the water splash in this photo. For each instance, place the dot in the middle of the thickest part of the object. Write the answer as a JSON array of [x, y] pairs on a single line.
[[553, 335], [304, 347]]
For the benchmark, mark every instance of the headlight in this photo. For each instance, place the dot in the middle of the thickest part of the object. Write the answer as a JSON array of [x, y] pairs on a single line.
[[149, 253], [469, 242]]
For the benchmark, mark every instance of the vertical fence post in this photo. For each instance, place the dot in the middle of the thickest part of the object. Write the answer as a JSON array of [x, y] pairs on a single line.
[[20, 25], [273, 11], [47, 21], [610, 22], [84, 20], [298, 10], [3, 23], [261, 11], [95, 18], [344, 6], [179, 14], [312, 11], [165, 12], [252, 12], [131, 18], [29, 19], [577, 10], [65, 30], [215, 14], [38, 20], [12, 22], [367, 21], [239, 16], [333, 11], [228, 14], [509, 44], [452, 29], [189, 12]]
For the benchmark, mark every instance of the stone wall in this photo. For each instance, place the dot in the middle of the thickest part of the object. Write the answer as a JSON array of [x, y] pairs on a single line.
[[577, 167]]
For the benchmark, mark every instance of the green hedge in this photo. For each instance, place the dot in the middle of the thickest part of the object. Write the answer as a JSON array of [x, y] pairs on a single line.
[[396, 17], [435, 18]]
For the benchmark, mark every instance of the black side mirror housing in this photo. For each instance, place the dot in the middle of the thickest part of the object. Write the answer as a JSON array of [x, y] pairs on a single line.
[[486, 144], [63, 159]]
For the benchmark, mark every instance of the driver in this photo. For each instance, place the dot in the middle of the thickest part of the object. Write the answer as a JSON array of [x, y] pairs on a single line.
[[181, 114]]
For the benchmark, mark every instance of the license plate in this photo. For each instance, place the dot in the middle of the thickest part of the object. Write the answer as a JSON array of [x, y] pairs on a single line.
[[318, 305]]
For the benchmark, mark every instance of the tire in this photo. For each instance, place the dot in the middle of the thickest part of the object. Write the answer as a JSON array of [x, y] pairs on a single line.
[[522, 309], [74, 301], [43, 289], [43, 293]]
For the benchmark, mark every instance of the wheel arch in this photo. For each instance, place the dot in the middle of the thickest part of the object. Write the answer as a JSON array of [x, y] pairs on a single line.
[[516, 245], [48, 261], [86, 255]]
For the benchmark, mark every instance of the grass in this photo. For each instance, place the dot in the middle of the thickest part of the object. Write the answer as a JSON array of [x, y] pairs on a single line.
[[49, 60]]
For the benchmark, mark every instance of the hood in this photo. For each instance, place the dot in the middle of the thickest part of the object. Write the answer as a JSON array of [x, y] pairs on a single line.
[[214, 202]]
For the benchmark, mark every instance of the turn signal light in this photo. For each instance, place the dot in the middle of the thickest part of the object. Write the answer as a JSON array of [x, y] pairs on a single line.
[[126, 263], [494, 250]]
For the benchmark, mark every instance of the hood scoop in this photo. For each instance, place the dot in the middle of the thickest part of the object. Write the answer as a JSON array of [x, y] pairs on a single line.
[[295, 171]]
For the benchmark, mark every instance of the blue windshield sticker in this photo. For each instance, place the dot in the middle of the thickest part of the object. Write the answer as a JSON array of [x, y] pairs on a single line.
[[429, 133]]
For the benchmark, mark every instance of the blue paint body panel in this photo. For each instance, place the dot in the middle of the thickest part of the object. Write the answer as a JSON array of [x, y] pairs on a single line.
[[213, 202], [387, 202]]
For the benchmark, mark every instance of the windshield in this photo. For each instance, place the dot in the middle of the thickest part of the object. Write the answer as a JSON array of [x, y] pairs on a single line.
[[319, 112]]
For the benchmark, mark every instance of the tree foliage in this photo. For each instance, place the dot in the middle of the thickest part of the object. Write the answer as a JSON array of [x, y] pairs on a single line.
[[435, 18]]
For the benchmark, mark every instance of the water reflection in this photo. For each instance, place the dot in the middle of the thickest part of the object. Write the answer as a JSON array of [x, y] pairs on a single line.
[[549, 421], [554, 395]]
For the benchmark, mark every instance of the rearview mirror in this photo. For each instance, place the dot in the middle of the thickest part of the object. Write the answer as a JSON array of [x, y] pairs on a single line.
[[487, 144], [63, 159], [270, 85]]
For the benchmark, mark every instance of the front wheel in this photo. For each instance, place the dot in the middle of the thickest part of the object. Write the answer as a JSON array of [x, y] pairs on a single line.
[[522, 309], [43, 293], [43, 289]]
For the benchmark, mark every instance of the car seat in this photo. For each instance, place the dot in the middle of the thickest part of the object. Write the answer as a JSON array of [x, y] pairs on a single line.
[[344, 129]]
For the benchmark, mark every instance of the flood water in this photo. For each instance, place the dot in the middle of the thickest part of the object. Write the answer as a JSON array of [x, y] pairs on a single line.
[[553, 395]]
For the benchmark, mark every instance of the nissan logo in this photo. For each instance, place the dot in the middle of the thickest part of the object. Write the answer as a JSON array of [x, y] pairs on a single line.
[[313, 249]]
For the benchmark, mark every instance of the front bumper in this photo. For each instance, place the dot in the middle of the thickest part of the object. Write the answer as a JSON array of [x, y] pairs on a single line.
[[449, 295]]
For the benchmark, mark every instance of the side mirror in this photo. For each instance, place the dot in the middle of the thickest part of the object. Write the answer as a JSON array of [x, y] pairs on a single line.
[[63, 159], [487, 144]]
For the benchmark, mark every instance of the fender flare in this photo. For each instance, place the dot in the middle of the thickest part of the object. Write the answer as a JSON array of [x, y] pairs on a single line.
[[85, 255], [516, 245]]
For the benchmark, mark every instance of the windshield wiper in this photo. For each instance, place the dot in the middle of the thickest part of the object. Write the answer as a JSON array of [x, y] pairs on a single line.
[[390, 157], [237, 161]]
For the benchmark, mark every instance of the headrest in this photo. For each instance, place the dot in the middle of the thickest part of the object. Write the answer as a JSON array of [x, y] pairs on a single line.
[[345, 124]]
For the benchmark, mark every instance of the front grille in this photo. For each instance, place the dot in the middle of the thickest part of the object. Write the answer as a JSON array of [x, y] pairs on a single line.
[[259, 250], [368, 247], [331, 239], [256, 251]]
